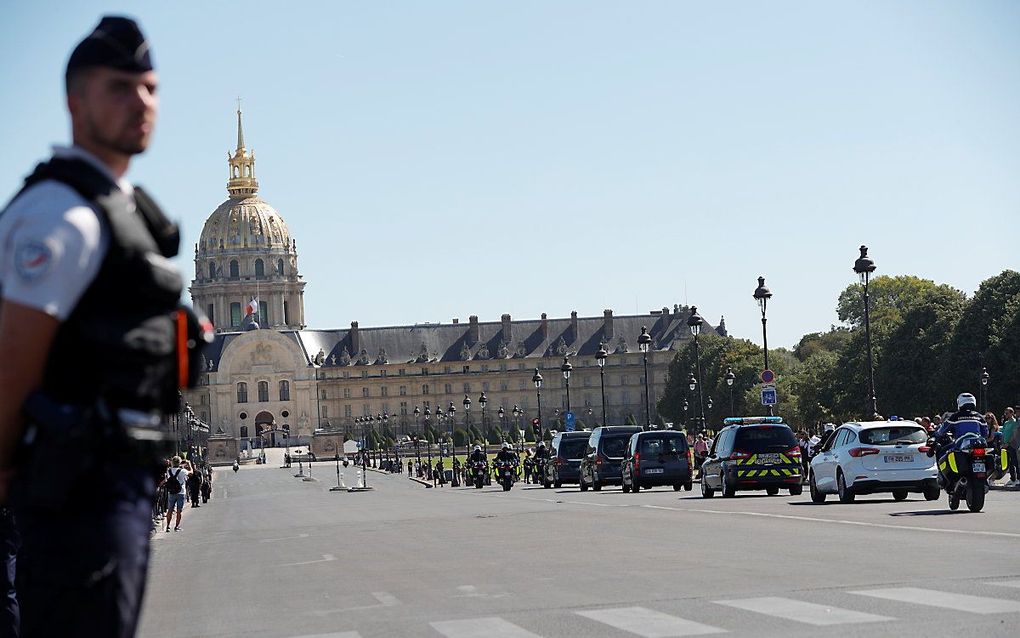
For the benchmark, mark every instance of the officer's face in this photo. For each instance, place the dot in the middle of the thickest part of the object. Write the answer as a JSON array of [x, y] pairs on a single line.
[[115, 110]]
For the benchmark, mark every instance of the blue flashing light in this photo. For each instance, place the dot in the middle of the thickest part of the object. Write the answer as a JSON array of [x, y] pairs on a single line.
[[751, 420], [894, 418]]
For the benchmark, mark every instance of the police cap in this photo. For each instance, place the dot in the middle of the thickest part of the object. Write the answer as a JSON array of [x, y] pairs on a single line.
[[116, 42]]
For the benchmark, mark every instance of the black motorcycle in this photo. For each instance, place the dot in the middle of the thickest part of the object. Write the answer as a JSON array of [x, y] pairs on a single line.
[[479, 470], [964, 469], [506, 473]]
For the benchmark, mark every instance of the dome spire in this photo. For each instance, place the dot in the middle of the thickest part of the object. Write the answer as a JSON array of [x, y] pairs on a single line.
[[240, 131], [242, 182]]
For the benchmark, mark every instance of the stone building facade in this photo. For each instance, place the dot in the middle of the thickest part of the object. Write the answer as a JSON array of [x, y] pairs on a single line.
[[267, 374]]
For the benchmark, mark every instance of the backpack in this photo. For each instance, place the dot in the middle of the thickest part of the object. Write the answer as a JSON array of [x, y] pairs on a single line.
[[173, 484]]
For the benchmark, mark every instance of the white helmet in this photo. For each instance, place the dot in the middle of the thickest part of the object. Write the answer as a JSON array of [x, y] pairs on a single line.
[[829, 427], [541, 444], [965, 399], [478, 448], [506, 446]]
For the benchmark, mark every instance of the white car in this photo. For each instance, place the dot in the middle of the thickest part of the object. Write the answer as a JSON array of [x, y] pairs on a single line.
[[872, 457]]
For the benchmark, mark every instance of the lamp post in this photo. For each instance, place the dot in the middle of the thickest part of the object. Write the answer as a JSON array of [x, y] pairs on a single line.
[[537, 380], [566, 369], [644, 340], [730, 379], [709, 405], [694, 322], [502, 424], [600, 358], [516, 411], [482, 401], [467, 415], [686, 406], [451, 413], [984, 388], [762, 294], [428, 415], [692, 385], [864, 266]]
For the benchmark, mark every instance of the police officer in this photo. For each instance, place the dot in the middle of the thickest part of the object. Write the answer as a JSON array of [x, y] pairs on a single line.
[[89, 338]]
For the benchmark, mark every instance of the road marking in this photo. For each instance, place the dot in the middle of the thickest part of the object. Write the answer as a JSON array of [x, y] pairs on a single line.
[[326, 558], [1007, 583], [944, 600], [468, 591], [836, 521], [385, 598], [285, 538], [810, 613], [648, 622], [341, 634], [481, 628]]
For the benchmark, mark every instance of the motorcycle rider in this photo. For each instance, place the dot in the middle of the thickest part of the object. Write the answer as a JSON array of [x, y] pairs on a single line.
[[507, 455], [966, 420], [541, 459]]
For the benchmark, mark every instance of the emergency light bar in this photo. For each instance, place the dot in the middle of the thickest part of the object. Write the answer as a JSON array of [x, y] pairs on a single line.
[[751, 420]]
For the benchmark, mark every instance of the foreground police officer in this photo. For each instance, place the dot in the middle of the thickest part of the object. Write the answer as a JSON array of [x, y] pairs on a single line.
[[94, 349]]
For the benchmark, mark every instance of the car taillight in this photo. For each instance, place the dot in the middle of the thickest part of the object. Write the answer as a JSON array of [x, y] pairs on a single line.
[[560, 462], [598, 460], [637, 461], [794, 451], [924, 449], [858, 452], [737, 454], [978, 451]]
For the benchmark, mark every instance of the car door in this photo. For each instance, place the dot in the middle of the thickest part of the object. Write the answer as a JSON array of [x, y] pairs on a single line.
[[627, 465], [588, 462], [713, 462], [824, 464]]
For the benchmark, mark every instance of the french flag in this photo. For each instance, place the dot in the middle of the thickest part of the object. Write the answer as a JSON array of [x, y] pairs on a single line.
[[252, 307]]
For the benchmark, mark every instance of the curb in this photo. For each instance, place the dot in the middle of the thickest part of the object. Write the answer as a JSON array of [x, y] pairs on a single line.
[[421, 482], [1003, 488]]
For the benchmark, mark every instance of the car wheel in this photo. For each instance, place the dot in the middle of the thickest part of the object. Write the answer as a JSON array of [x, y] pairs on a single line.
[[728, 491], [677, 487], [688, 486], [816, 496], [558, 484], [846, 494], [932, 493], [899, 495], [772, 491], [636, 487], [796, 490], [596, 485], [706, 491], [546, 484]]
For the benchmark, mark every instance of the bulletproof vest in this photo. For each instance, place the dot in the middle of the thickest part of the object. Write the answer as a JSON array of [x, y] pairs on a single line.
[[120, 342]]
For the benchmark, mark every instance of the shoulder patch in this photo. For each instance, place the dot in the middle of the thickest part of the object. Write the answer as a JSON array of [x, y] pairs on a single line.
[[32, 258]]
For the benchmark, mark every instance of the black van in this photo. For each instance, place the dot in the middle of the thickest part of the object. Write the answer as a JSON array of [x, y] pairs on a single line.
[[752, 453], [606, 449], [565, 462], [657, 457]]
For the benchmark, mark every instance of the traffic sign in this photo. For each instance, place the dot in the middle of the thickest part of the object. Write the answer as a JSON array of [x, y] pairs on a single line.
[[768, 376], [568, 421], [768, 395]]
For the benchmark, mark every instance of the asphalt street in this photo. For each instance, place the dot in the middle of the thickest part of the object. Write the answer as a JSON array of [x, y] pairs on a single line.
[[273, 555]]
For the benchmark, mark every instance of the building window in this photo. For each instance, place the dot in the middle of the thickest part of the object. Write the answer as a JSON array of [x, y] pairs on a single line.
[[244, 432], [400, 372], [485, 367], [209, 313], [383, 374], [242, 392], [364, 392], [322, 395], [235, 269], [285, 391], [279, 267], [260, 269], [286, 313], [264, 313], [502, 367], [466, 369], [503, 386], [448, 388], [347, 393], [263, 391], [403, 408], [347, 411], [485, 386], [424, 372], [467, 388], [364, 374], [235, 315], [366, 410], [446, 369], [384, 391], [212, 270], [325, 411], [403, 390], [425, 388]]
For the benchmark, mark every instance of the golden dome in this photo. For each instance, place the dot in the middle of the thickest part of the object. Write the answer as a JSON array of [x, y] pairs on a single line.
[[244, 222]]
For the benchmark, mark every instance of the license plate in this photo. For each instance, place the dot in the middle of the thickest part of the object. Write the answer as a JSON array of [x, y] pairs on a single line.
[[899, 458], [654, 470], [767, 459], [978, 466]]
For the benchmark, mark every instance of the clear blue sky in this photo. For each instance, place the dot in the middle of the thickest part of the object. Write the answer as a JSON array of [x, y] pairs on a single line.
[[441, 159]]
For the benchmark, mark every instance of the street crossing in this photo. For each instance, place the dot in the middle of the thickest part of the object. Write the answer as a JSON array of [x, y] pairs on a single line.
[[651, 623]]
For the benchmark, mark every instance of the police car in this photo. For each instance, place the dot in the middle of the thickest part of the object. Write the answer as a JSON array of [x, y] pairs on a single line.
[[752, 453]]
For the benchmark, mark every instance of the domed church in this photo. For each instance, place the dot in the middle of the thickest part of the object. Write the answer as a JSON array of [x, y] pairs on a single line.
[[270, 381]]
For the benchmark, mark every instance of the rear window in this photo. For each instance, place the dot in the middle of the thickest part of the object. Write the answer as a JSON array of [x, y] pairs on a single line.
[[572, 448], [615, 446], [759, 438], [893, 435], [663, 445]]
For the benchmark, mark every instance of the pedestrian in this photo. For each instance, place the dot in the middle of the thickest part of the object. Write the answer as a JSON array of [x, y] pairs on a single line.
[[89, 322], [206, 484], [176, 486], [700, 450], [1011, 441], [194, 487]]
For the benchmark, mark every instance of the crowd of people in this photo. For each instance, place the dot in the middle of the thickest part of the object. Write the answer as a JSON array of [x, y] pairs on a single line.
[[182, 480]]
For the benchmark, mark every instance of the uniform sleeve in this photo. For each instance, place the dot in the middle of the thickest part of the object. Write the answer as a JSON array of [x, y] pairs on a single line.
[[52, 250]]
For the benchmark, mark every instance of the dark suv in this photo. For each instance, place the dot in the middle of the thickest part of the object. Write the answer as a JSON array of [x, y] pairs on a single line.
[[657, 457], [752, 453], [606, 449], [565, 462]]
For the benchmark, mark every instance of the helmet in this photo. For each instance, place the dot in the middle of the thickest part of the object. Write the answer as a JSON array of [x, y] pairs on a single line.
[[829, 427], [541, 444], [478, 448], [506, 446], [964, 400]]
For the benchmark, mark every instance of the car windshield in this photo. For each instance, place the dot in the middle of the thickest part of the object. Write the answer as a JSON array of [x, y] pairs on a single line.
[[893, 435], [614, 446], [573, 449], [759, 438], [653, 446]]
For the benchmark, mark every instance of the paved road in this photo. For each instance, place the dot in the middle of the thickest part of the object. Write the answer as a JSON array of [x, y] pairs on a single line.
[[273, 555]]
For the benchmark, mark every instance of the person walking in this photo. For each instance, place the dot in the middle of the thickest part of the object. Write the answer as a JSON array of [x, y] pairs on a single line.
[[194, 486], [1011, 441], [176, 486], [95, 347]]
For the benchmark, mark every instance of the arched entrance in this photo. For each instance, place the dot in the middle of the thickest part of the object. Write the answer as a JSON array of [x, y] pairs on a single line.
[[265, 429]]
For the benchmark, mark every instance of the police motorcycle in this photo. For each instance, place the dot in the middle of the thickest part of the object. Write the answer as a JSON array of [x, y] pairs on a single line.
[[963, 469], [506, 474]]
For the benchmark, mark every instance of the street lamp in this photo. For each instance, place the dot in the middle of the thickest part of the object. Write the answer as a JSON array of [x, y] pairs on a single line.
[[686, 406], [762, 294], [694, 322], [708, 404], [451, 412], [482, 401], [467, 414], [864, 266], [502, 424], [566, 368], [730, 379], [644, 341], [984, 387], [537, 380], [428, 415], [600, 358]]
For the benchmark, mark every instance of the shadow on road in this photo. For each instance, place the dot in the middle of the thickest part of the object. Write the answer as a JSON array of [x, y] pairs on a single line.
[[928, 513]]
